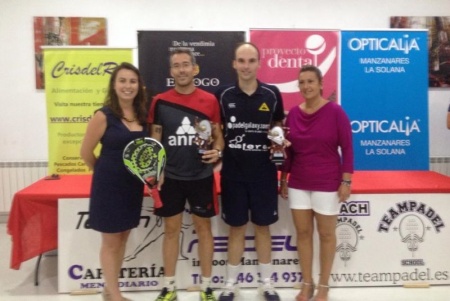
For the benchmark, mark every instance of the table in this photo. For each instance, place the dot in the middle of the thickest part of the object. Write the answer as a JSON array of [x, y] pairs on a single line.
[[33, 218], [33, 222]]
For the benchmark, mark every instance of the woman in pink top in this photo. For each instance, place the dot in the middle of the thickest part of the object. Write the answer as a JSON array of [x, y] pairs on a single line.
[[320, 166]]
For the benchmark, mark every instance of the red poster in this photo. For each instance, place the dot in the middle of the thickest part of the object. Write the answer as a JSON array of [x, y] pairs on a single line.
[[60, 31], [284, 52]]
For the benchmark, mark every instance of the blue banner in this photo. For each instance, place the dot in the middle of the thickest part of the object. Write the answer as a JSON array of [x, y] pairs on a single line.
[[384, 90]]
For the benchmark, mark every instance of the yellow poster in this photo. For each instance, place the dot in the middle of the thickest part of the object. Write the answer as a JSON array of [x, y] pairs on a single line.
[[76, 85]]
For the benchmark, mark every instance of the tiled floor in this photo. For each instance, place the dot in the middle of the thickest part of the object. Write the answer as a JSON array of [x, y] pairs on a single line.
[[19, 286]]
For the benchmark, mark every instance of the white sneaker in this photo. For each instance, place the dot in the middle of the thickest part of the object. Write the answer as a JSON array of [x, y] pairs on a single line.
[[267, 292], [229, 293]]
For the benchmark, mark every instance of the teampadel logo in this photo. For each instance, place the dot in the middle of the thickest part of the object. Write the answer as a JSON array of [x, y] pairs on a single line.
[[413, 221]]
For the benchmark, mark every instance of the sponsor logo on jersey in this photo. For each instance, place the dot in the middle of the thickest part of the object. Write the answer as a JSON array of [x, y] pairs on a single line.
[[264, 107], [184, 135]]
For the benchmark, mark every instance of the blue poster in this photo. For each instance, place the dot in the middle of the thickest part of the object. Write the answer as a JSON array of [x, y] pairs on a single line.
[[384, 90]]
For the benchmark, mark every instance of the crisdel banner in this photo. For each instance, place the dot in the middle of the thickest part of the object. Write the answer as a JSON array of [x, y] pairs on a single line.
[[76, 84]]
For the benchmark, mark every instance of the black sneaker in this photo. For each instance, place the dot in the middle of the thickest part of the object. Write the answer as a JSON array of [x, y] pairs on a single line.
[[167, 295], [207, 295]]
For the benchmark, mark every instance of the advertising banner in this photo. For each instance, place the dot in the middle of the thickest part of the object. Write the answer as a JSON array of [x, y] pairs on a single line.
[[143, 265], [382, 240], [384, 90], [76, 85], [214, 52], [284, 52], [392, 240]]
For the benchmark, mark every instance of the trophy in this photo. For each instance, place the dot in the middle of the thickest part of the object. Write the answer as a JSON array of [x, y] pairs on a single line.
[[276, 135], [203, 139]]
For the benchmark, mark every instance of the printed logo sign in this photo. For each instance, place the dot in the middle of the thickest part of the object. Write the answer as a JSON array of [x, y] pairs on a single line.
[[382, 240], [349, 230], [385, 94], [284, 52], [143, 267]]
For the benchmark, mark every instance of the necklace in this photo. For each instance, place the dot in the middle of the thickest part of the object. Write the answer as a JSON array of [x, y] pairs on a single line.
[[128, 120]]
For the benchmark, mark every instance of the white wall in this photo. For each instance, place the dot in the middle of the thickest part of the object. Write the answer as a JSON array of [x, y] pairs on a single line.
[[23, 128]]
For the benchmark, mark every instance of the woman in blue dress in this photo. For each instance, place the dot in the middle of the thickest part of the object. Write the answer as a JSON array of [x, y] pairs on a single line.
[[116, 196]]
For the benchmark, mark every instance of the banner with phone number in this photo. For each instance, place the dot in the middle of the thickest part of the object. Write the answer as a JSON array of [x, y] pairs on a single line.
[[385, 239], [76, 84], [143, 266]]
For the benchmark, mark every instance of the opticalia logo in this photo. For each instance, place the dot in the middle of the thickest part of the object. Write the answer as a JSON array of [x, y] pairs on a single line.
[[203, 82], [406, 126], [404, 44]]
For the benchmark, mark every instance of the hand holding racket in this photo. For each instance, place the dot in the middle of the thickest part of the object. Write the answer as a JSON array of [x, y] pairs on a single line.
[[145, 158]]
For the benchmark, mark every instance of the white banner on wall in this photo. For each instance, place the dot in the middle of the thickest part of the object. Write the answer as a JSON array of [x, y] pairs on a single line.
[[382, 240]]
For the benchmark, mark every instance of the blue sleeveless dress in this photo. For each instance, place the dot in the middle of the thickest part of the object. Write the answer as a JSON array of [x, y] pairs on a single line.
[[116, 195]]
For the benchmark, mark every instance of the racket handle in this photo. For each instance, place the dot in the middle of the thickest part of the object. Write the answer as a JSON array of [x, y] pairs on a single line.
[[156, 198]]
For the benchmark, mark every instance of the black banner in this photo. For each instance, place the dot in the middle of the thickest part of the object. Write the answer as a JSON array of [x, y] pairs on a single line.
[[213, 51]]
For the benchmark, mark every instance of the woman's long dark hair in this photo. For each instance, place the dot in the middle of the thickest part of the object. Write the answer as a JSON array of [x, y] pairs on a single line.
[[139, 101]]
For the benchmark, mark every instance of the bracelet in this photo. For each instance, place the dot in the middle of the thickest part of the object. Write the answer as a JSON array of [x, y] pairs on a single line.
[[285, 181], [346, 182]]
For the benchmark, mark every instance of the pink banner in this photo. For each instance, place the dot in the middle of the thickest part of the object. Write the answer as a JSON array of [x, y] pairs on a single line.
[[284, 52]]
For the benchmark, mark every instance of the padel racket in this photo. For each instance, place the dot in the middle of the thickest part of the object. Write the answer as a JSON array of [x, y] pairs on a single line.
[[145, 158]]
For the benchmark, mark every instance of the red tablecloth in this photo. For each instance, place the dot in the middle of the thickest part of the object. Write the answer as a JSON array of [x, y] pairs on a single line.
[[400, 182], [33, 220]]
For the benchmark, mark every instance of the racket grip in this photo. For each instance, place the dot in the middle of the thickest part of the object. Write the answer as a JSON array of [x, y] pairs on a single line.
[[156, 198]]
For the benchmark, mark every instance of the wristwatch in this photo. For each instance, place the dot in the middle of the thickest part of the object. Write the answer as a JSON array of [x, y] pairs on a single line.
[[346, 182], [219, 152]]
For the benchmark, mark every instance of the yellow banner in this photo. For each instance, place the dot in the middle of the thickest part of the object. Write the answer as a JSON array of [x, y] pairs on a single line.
[[76, 83]]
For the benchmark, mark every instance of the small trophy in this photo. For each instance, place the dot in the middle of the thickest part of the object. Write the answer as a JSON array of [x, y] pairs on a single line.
[[203, 138], [276, 135]]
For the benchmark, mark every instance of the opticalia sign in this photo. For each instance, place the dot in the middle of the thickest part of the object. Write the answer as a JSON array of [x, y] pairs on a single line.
[[404, 44], [407, 126]]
